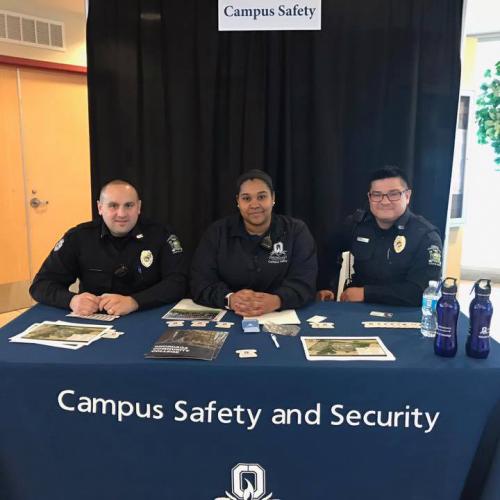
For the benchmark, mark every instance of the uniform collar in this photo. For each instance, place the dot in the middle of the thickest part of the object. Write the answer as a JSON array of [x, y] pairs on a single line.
[[135, 233], [238, 228], [399, 224]]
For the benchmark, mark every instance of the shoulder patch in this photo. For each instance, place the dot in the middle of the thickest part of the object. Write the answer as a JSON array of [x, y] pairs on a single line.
[[59, 244], [174, 243], [434, 256]]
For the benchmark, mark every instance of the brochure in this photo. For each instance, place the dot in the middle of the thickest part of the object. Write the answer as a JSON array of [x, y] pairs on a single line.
[[346, 349], [190, 344]]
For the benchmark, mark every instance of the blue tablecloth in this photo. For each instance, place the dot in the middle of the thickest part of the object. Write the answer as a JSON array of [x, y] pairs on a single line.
[[61, 436]]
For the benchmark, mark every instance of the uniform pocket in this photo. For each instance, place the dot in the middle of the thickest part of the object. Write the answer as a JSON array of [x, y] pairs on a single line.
[[362, 251]]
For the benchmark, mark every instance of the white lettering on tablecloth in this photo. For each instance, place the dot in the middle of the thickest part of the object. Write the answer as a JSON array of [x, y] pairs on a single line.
[[212, 413]]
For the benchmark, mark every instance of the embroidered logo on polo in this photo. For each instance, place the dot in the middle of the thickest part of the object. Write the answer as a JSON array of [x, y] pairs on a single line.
[[434, 255], [174, 243], [248, 482], [278, 255], [146, 258], [59, 244], [399, 243]]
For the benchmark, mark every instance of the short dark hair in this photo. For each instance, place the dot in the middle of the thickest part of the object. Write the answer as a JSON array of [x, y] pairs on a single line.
[[118, 182], [254, 174], [386, 172]]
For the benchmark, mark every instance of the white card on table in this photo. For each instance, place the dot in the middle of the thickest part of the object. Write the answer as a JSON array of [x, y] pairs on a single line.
[[316, 319], [175, 323], [322, 325]]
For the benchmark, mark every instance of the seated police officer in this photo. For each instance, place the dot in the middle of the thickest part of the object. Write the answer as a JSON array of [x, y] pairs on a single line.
[[123, 263], [255, 262], [395, 252]]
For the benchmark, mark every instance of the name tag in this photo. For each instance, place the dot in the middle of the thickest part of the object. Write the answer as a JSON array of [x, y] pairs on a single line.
[[363, 240]]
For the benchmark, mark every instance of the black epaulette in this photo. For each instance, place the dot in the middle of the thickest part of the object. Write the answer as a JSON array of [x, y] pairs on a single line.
[[91, 224], [357, 217], [428, 227]]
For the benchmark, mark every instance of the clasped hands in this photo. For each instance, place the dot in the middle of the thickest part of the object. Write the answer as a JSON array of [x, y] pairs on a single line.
[[249, 303], [113, 303]]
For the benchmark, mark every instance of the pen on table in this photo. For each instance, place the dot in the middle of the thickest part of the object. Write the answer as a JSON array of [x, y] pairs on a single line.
[[275, 340]]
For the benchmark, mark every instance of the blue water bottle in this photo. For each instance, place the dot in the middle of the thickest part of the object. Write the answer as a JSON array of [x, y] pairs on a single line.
[[480, 313], [445, 341]]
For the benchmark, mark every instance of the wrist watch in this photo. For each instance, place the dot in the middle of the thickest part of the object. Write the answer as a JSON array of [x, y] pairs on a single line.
[[226, 299]]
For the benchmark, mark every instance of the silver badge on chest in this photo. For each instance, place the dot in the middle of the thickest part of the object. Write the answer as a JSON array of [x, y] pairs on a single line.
[[146, 258]]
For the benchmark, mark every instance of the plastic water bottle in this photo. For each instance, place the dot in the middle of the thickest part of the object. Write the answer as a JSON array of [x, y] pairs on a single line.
[[480, 313], [445, 341], [429, 303]]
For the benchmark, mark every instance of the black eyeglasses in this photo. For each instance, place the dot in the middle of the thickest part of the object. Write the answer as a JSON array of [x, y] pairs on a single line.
[[121, 271], [391, 195]]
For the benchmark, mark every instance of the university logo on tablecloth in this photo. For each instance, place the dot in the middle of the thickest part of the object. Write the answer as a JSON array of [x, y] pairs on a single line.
[[248, 482]]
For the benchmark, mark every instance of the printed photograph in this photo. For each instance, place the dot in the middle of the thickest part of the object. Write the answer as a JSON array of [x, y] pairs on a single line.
[[345, 348], [186, 309], [58, 332]]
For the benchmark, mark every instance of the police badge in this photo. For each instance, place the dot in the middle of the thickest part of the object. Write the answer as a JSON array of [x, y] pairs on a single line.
[[399, 243], [146, 258]]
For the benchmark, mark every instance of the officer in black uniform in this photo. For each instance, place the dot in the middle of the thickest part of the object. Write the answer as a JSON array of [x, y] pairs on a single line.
[[395, 252], [123, 263], [255, 262]]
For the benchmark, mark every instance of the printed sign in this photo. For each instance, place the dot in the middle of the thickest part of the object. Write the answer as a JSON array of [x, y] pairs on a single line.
[[269, 15]]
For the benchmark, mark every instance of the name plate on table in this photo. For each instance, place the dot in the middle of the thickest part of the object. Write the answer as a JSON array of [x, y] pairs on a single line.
[[269, 15]]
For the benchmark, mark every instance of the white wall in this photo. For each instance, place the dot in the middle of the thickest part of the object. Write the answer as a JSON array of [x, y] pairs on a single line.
[[482, 16], [70, 12], [481, 243]]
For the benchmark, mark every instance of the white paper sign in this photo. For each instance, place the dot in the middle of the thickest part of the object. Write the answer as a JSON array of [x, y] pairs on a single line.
[[257, 15]]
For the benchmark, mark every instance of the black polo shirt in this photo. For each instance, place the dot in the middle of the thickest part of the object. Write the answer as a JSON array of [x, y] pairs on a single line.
[[228, 259]]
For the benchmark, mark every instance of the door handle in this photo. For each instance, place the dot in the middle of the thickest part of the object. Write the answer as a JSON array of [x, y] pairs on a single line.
[[36, 202]]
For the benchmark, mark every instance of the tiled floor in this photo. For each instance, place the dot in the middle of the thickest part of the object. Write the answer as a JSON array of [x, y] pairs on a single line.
[[464, 298]]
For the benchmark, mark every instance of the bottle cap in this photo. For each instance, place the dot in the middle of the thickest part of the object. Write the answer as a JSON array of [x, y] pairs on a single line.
[[482, 286], [449, 286], [433, 283]]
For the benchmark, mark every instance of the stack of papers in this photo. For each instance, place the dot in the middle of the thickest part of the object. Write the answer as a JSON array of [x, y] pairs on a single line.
[[63, 334], [186, 309], [285, 317]]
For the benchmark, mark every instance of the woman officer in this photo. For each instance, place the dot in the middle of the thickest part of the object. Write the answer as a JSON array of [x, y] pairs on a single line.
[[255, 262]]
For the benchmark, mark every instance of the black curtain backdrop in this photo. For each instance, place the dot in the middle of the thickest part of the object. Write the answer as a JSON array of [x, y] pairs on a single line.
[[181, 110]]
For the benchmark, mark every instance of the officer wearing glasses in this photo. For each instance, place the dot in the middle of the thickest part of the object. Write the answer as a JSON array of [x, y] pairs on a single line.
[[123, 263], [395, 252]]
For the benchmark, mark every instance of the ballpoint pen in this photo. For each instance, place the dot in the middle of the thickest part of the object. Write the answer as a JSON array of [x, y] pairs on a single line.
[[275, 340]]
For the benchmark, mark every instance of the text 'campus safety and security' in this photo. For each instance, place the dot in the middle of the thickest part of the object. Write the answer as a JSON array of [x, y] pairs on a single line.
[[212, 413]]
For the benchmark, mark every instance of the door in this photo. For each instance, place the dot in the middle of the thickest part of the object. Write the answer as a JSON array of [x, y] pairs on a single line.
[[50, 169], [14, 257]]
